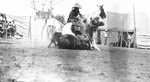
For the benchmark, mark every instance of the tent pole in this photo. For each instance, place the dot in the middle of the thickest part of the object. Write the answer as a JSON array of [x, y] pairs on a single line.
[[29, 32], [134, 25], [122, 33]]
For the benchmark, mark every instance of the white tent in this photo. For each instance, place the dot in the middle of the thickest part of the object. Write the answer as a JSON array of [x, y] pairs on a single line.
[[129, 16], [20, 11]]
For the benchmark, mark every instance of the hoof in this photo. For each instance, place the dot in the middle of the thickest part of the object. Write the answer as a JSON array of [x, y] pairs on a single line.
[[96, 48], [92, 48], [48, 46]]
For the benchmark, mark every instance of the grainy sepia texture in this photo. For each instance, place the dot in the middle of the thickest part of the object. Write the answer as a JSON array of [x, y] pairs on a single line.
[[121, 43]]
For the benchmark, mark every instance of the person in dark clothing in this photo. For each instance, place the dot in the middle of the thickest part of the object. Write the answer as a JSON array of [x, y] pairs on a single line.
[[74, 13], [73, 18]]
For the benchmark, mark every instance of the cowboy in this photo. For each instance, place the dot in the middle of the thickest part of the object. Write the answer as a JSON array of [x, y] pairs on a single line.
[[74, 13], [73, 18]]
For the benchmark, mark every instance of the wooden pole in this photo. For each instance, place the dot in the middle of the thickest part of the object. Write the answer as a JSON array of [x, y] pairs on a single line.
[[5, 26], [29, 32], [134, 20], [122, 33]]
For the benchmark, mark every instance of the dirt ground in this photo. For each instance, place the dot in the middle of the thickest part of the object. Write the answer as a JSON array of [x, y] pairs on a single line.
[[20, 62]]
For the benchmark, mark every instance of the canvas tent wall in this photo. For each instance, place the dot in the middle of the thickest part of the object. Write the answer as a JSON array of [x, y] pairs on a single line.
[[20, 11], [115, 23], [118, 22], [22, 24], [130, 17]]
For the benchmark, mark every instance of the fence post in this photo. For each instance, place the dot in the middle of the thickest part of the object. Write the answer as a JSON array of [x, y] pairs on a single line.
[[134, 20], [122, 31], [5, 27]]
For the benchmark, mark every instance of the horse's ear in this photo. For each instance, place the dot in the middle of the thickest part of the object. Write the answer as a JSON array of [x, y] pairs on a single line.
[[90, 18], [99, 6]]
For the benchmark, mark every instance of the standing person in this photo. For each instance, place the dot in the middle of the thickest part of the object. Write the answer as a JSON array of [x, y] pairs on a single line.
[[105, 36]]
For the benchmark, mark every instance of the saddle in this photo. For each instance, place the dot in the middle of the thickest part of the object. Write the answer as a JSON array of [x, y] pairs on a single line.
[[76, 30], [82, 40]]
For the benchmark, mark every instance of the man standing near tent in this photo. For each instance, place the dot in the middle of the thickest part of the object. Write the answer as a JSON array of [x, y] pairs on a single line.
[[105, 37]]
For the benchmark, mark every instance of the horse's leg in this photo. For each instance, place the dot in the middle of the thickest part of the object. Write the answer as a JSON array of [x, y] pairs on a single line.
[[55, 44], [90, 42], [90, 45], [50, 44], [94, 42], [53, 40]]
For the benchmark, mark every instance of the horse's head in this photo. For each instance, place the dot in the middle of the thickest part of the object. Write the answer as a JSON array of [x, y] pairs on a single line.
[[102, 12], [95, 23]]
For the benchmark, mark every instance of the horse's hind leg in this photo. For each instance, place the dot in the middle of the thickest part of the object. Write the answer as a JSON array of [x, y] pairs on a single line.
[[52, 41], [90, 43], [90, 46], [50, 44], [96, 47], [55, 44], [94, 42]]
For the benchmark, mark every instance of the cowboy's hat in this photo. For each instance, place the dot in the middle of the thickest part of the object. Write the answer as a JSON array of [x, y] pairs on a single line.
[[77, 6]]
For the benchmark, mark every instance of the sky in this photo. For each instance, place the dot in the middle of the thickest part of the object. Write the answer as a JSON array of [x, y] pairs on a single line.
[[90, 6], [23, 7], [15, 7]]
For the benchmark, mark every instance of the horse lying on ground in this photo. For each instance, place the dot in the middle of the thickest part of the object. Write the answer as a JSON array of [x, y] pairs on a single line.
[[71, 38]]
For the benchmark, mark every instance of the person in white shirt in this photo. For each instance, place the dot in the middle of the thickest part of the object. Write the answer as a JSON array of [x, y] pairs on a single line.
[[105, 34]]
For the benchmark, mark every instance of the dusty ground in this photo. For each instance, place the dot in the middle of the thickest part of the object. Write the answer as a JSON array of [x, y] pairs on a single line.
[[22, 63]]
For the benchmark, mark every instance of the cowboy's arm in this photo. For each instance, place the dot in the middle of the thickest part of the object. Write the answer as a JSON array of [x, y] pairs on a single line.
[[80, 14]]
